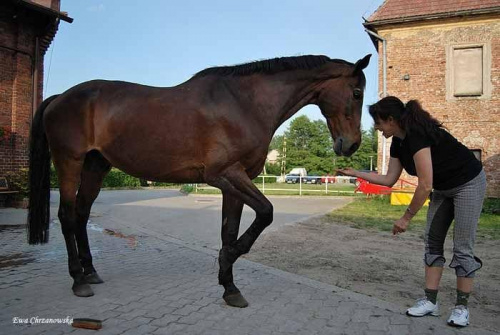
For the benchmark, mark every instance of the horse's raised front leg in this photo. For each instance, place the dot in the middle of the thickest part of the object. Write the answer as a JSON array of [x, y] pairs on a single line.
[[95, 169], [232, 208], [236, 182]]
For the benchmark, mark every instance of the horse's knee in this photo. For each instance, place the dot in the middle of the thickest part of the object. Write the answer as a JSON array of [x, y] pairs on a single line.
[[266, 215], [83, 208]]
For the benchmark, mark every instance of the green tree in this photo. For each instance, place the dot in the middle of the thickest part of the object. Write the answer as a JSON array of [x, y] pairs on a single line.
[[366, 153], [277, 143], [309, 145]]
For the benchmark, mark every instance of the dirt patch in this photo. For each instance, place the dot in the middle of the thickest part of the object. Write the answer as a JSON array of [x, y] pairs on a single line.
[[378, 264]]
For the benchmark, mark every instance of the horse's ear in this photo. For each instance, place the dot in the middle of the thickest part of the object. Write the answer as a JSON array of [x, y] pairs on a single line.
[[361, 64]]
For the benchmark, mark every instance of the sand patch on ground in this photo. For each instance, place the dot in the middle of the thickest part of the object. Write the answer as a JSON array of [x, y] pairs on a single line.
[[378, 264]]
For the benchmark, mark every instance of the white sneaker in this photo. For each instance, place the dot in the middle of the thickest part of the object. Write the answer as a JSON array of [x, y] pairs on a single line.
[[423, 307], [459, 316]]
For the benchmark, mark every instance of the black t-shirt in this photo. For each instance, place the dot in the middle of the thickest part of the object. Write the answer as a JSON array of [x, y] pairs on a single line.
[[453, 164]]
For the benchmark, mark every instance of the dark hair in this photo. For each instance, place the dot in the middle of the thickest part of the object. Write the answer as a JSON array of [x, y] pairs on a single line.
[[411, 117]]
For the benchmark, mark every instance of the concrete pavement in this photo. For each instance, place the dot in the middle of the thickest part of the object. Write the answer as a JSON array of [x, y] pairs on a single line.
[[159, 284]]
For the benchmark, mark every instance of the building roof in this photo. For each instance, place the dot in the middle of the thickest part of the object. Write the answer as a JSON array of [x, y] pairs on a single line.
[[392, 11], [43, 9]]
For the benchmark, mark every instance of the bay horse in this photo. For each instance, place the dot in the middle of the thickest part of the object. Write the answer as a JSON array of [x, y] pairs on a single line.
[[214, 128]]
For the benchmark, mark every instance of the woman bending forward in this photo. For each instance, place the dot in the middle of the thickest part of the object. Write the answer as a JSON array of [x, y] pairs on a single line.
[[457, 181]]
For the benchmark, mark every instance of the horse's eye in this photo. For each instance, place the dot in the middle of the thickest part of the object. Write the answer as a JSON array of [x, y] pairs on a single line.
[[357, 93]]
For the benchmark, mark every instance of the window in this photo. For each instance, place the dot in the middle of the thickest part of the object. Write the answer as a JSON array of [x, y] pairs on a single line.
[[468, 71]]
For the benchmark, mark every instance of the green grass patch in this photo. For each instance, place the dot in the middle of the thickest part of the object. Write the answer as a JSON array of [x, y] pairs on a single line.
[[376, 213], [291, 189]]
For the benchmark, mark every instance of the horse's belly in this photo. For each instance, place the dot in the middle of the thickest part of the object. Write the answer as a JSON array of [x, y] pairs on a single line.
[[156, 166]]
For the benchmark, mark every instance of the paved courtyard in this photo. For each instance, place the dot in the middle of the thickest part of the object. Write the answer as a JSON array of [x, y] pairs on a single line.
[[159, 284]]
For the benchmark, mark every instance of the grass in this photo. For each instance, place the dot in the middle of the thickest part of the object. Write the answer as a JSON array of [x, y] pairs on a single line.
[[293, 189], [376, 213]]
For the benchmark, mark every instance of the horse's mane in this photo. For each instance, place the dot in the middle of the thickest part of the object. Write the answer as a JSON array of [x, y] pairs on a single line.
[[270, 66]]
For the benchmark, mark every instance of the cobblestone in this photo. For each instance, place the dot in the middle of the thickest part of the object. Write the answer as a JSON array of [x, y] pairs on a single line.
[[160, 287]]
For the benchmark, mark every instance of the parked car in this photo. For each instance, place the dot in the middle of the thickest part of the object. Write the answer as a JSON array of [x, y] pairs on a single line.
[[312, 180], [292, 178], [300, 175], [328, 179]]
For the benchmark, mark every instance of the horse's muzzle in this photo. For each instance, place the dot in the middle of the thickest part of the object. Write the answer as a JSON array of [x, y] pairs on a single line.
[[342, 147]]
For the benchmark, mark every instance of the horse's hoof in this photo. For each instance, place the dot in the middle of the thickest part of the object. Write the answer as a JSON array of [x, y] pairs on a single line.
[[235, 300], [93, 278], [83, 290]]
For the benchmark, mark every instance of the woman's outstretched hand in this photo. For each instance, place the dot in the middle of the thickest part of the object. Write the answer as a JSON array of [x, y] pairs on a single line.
[[346, 172]]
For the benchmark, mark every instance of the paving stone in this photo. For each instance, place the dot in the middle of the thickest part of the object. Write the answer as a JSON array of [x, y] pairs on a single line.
[[159, 286]]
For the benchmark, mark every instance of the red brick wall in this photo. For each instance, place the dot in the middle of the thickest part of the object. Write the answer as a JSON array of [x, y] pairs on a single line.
[[419, 50], [17, 52]]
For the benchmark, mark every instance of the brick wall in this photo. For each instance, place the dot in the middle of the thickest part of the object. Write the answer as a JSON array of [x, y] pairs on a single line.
[[420, 51], [18, 29]]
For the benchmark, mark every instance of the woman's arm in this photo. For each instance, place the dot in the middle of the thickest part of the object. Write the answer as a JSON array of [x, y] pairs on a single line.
[[423, 165], [389, 179]]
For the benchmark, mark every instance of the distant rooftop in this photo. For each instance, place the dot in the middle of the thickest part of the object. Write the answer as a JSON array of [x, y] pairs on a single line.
[[392, 11]]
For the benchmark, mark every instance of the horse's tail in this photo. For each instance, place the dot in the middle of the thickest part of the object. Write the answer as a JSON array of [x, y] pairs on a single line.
[[39, 179]]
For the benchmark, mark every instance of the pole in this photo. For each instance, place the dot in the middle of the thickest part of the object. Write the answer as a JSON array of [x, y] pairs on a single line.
[[384, 88]]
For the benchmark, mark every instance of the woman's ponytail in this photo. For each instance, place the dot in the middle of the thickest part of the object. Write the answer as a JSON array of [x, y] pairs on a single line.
[[416, 119]]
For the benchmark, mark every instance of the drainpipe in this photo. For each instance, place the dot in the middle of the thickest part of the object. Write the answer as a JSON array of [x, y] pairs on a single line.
[[384, 88]]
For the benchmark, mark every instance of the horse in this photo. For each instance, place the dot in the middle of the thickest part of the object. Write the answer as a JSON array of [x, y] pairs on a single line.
[[215, 128]]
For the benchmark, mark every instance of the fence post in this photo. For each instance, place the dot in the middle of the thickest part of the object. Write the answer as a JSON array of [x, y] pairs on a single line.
[[326, 187], [300, 185], [263, 185]]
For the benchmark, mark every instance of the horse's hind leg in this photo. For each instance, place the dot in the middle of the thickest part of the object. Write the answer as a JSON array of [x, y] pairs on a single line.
[[232, 208], [94, 170], [69, 170]]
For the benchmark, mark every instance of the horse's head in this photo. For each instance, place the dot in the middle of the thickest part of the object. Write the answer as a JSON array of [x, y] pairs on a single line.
[[340, 99]]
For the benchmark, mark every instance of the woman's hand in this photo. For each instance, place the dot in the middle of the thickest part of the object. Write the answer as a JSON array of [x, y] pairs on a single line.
[[400, 225], [347, 172]]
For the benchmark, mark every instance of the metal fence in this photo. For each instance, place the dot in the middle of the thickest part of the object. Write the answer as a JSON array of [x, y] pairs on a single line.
[[270, 183]]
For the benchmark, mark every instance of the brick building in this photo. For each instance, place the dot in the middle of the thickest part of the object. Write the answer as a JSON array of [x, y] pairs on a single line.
[[445, 53], [26, 30]]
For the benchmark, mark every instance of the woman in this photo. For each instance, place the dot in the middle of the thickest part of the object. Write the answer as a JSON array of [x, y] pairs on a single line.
[[458, 183]]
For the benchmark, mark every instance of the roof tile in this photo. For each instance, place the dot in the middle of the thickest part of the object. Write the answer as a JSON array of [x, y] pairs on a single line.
[[392, 9]]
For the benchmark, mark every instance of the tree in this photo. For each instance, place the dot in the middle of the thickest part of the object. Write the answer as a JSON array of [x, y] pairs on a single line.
[[366, 153], [309, 144], [276, 143]]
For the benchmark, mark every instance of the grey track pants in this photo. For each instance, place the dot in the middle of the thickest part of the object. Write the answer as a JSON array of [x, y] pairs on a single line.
[[464, 204]]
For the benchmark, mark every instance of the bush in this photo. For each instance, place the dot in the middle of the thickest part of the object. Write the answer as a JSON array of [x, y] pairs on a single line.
[[18, 181], [491, 206], [117, 178], [187, 188]]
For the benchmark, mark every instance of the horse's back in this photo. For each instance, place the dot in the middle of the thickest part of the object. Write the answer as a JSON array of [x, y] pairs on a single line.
[[170, 134]]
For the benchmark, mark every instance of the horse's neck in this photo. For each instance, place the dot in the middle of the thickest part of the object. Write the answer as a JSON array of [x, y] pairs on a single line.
[[279, 98]]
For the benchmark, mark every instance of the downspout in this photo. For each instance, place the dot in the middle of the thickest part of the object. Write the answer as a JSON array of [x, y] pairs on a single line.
[[384, 89]]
